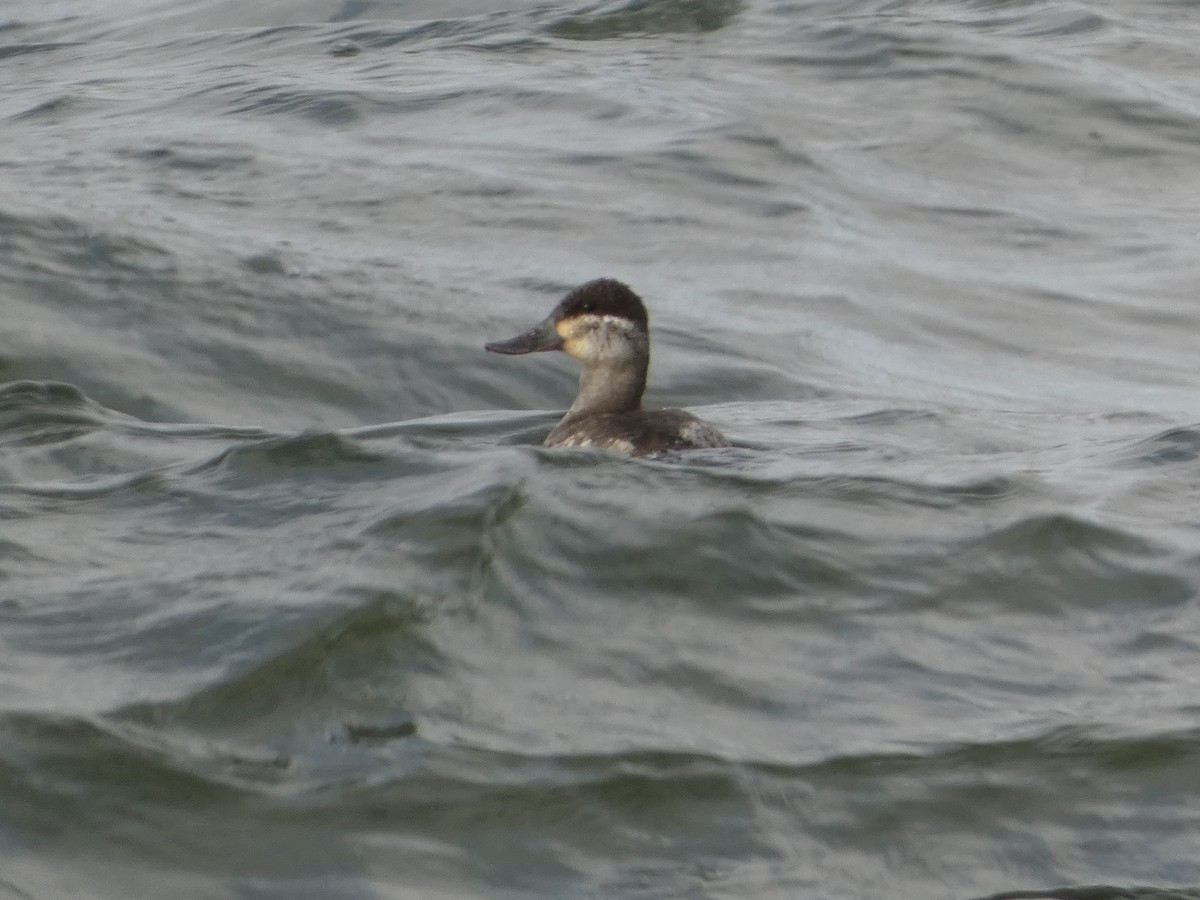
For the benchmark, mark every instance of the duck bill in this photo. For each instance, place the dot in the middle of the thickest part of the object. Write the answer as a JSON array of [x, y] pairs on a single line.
[[542, 336]]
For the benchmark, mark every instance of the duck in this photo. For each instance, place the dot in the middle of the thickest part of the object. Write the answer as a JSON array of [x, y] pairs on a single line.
[[604, 325]]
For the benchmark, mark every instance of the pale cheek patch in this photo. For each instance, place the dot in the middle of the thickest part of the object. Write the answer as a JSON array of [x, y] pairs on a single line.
[[597, 337]]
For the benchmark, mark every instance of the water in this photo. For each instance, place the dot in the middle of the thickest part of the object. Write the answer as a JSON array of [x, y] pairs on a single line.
[[292, 605]]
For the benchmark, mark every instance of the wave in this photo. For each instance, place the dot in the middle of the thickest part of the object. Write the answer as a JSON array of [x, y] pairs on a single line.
[[626, 18], [1101, 892]]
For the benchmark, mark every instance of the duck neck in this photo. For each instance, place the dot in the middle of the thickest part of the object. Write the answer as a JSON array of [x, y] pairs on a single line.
[[608, 387]]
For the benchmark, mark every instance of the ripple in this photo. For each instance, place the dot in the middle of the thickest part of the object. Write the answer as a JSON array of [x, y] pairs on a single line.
[[10, 50], [625, 18], [43, 412], [287, 686], [321, 450], [1175, 445], [1101, 892], [1053, 561]]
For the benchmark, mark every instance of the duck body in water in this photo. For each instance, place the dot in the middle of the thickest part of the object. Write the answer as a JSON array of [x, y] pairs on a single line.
[[604, 325]]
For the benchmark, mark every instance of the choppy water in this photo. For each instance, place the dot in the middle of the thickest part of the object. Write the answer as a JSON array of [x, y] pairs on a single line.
[[929, 630]]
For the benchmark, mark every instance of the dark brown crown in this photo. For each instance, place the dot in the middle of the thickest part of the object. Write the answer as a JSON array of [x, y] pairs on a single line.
[[603, 297]]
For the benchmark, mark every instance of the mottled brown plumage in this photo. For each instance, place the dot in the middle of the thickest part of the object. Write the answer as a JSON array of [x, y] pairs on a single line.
[[604, 325]]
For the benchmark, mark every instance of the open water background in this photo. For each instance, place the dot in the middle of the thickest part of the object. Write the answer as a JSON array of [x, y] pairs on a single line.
[[292, 605]]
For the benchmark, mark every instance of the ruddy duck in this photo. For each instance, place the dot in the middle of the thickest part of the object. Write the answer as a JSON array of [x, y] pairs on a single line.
[[603, 324]]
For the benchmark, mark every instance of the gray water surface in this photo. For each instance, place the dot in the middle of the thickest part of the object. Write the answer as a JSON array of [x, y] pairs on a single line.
[[293, 605]]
